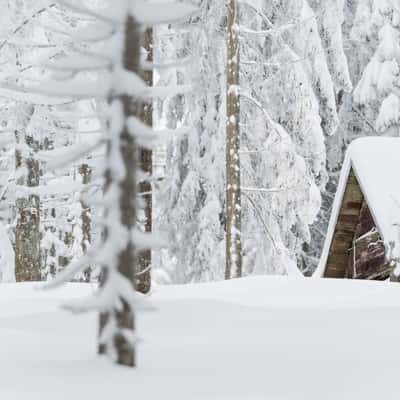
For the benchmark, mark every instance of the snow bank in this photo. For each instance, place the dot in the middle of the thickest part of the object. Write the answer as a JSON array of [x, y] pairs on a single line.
[[249, 339]]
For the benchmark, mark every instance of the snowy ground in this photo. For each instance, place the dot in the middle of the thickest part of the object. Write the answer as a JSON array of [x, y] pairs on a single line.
[[250, 339]]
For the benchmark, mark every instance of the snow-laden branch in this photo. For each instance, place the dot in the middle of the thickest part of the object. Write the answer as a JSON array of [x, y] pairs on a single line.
[[278, 30], [59, 158], [78, 89], [265, 226], [148, 137], [147, 240], [81, 9], [74, 268], [20, 94], [257, 11], [261, 32], [165, 65], [79, 63], [268, 118], [154, 13], [167, 91], [26, 21], [146, 13], [65, 186], [267, 190], [122, 82], [89, 34]]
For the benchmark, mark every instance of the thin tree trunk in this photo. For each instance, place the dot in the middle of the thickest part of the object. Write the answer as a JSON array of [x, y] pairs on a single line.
[[124, 317], [233, 194], [27, 232], [49, 259], [86, 174], [143, 274]]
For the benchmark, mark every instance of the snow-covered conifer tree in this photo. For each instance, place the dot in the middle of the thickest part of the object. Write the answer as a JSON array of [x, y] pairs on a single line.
[[377, 92], [289, 90], [192, 203], [292, 68], [23, 121], [118, 61]]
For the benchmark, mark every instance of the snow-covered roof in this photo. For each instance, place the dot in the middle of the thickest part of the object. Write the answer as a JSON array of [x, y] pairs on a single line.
[[376, 164]]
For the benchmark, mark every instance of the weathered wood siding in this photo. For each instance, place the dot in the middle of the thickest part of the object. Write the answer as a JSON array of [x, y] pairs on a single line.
[[357, 250], [367, 258], [348, 219]]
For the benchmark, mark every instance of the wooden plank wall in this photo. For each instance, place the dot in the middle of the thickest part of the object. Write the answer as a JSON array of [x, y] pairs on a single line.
[[345, 228]]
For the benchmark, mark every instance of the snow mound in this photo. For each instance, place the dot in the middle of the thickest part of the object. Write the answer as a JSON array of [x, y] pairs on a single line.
[[249, 339]]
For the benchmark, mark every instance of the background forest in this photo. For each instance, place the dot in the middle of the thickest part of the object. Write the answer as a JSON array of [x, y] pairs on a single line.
[[313, 75]]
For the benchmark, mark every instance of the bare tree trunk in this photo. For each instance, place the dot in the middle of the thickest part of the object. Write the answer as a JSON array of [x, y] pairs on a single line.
[[27, 233], [143, 274], [124, 318], [67, 238], [233, 193], [86, 174]]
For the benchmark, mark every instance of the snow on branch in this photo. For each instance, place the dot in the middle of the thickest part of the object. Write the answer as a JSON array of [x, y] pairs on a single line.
[[167, 91], [257, 11], [22, 95], [147, 13], [74, 268], [79, 89], [145, 240], [268, 118], [266, 190], [61, 157], [26, 21], [90, 34], [153, 13], [148, 137], [261, 217], [81, 9], [123, 82], [59, 187], [166, 65], [116, 290], [129, 83], [79, 63]]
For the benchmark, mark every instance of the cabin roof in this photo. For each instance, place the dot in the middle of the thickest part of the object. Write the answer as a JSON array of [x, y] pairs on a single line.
[[375, 162]]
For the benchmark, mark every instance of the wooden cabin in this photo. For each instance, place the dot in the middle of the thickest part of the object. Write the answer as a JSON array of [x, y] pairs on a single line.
[[363, 233]]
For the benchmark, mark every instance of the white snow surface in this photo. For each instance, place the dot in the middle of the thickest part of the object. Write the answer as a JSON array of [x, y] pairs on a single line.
[[376, 164], [261, 338]]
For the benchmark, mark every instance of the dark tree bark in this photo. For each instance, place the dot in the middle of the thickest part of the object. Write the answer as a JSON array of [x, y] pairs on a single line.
[[124, 318], [27, 232], [143, 274], [233, 192], [86, 173]]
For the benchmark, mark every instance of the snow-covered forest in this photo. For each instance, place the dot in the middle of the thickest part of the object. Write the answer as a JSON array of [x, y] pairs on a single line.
[[151, 150]]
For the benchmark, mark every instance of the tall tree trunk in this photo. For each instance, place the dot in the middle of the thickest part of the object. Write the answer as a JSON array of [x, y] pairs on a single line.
[[233, 193], [27, 232], [126, 186], [86, 173], [143, 274]]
